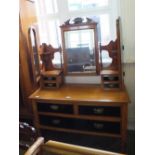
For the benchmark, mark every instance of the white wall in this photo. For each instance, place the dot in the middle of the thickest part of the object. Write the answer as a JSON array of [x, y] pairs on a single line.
[[127, 14], [129, 80]]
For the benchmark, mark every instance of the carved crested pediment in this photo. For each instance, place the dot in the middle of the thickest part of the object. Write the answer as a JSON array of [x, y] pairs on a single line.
[[78, 20]]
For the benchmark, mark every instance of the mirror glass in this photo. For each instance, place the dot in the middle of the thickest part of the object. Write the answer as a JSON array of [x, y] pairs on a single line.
[[80, 51], [57, 60], [106, 59], [35, 52]]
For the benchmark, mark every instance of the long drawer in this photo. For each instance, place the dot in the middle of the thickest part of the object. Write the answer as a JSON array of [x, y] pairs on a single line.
[[55, 108], [57, 121], [99, 110], [98, 126], [79, 124]]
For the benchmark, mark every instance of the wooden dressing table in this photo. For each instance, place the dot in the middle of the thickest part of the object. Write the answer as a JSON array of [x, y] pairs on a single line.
[[85, 109]]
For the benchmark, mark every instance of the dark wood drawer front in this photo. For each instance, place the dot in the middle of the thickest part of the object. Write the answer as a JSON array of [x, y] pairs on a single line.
[[49, 78], [111, 85], [56, 108], [110, 78], [98, 126], [99, 110], [56, 121]]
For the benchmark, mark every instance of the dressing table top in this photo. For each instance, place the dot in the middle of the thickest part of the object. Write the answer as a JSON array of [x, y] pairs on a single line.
[[83, 93]]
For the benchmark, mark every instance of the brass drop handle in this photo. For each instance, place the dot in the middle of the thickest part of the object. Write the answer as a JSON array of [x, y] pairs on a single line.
[[49, 78], [98, 125], [111, 78], [50, 84], [54, 107], [111, 85], [98, 110], [56, 121]]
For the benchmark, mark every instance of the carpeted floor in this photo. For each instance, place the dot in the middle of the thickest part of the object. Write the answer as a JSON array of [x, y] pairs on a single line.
[[99, 142]]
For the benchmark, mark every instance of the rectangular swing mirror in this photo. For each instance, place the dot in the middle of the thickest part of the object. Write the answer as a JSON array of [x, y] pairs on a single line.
[[79, 42]]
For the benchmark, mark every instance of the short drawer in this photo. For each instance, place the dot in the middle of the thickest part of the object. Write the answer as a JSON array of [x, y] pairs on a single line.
[[98, 126], [111, 85], [56, 108], [49, 78], [110, 78], [56, 121], [99, 110]]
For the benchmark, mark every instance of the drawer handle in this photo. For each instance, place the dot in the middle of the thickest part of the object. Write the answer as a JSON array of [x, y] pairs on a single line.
[[50, 78], [98, 125], [111, 78], [50, 84], [56, 121], [54, 107], [111, 85], [98, 110]]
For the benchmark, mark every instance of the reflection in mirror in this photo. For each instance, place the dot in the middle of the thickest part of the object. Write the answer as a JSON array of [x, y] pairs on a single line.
[[80, 51], [32, 37], [106, 59], [35, 57], [57, 60]]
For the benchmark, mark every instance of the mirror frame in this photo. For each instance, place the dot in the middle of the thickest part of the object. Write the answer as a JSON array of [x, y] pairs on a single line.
[[66, 27], [33, 28]]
